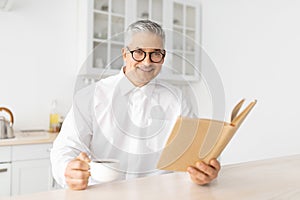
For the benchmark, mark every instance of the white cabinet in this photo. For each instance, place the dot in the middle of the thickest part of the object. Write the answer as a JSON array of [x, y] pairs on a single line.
[[101, 33], [5, 179], [31, 151], [31, 176], [5, 155], [185, 42], [25, 169], [150, 9], [31, 168], [108, 22], [5, 171]]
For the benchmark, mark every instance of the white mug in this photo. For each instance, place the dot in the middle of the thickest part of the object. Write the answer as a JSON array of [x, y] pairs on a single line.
[[105, 170]]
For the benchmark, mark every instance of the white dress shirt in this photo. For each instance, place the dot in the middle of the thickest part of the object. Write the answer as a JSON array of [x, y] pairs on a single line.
[[113, 119]]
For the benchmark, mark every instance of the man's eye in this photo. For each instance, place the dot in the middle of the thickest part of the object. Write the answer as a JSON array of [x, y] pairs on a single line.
[[156, 53], [138, 52]]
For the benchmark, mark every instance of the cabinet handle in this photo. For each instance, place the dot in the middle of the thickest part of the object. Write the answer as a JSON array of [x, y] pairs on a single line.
[[3, 170]]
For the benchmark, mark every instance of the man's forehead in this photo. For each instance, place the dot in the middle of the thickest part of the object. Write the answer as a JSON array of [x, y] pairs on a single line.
[[146, 40]]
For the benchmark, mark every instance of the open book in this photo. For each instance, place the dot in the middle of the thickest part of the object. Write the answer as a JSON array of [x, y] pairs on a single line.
[[194, 139]]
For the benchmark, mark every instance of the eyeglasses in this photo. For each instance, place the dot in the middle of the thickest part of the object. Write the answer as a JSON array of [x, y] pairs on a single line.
[[139, 55]]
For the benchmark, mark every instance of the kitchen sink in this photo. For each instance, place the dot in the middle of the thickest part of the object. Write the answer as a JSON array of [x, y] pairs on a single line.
[[32, 135]]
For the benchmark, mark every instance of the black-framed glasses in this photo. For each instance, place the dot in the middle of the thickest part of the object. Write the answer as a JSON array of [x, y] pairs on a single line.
[[155, 56]]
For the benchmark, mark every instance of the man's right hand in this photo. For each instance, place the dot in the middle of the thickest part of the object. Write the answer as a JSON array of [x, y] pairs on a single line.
[[77, 172]]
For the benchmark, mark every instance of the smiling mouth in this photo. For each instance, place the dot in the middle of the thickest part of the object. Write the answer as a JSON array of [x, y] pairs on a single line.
[[146, 69]]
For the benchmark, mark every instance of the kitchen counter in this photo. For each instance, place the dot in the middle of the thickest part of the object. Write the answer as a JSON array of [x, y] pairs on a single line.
[[277, 178], [29, 138]]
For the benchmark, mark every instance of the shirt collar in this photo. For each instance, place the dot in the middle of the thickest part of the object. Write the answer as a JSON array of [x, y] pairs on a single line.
[[126, 86]]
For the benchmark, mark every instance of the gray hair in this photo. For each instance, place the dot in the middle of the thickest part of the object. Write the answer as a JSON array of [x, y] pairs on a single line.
[[144, 26]]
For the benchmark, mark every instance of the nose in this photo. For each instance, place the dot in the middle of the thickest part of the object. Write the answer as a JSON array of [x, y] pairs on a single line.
[[147, 60]]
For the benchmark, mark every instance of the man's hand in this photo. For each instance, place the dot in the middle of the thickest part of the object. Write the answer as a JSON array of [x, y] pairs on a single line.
[[77, 172], [202, 173]]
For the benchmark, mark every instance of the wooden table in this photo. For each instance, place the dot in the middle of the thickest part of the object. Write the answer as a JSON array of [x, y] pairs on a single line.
[[277, 178]]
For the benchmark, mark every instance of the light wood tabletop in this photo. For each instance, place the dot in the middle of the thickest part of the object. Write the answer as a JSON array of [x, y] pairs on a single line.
[[277, 178]]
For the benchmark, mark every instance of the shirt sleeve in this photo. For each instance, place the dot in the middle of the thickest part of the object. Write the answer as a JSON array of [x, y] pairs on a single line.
[[75, 137]]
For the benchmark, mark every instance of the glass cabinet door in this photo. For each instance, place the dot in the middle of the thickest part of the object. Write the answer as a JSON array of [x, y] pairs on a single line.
[[150, 9], [184, 39], [108, 37]]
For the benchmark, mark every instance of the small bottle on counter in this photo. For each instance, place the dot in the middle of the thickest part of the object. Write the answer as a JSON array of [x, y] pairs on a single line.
[[54, 118], [60, 122]]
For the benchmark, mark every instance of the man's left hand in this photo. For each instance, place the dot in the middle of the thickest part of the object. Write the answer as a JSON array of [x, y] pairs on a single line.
[[202, 173]]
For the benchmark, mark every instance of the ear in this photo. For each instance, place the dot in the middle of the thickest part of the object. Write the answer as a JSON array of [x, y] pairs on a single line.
[[162, 62], [124, 54]]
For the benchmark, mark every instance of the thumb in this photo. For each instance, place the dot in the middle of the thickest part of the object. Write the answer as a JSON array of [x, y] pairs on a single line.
[[84, 157]]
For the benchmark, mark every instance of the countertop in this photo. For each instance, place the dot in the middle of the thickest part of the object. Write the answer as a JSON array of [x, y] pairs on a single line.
[[34, 137], [277, 178]]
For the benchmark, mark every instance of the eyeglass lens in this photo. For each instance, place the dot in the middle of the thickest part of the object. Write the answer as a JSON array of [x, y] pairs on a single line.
[[140, 55]]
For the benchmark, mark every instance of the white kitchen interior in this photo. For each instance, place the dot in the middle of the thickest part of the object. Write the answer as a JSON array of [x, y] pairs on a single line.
[[254, 45]]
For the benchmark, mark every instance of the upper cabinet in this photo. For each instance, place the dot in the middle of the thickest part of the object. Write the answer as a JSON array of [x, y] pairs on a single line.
[[186, 38], [101, 35], [107, 28], [150, 9]]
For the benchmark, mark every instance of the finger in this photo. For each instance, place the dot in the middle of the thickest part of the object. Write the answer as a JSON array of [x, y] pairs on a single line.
[[215, 164], [78, 165], [198, 177], [84, 157], [207, 169], [77, 174], [77, 184]]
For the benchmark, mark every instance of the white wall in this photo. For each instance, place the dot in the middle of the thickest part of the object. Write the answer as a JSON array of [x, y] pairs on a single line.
[[255, 46], [38, 63]]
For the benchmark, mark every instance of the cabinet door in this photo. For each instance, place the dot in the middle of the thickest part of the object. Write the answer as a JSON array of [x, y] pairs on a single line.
[[150, 9], [185, 39], [5, 155], [31, 176], [30, 152], [5, 179], [108, 27]]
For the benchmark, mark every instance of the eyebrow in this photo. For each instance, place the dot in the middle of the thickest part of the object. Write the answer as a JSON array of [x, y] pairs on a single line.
[[137, 48]]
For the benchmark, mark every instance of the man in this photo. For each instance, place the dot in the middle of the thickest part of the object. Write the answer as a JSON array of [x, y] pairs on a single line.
[[127, 117]]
